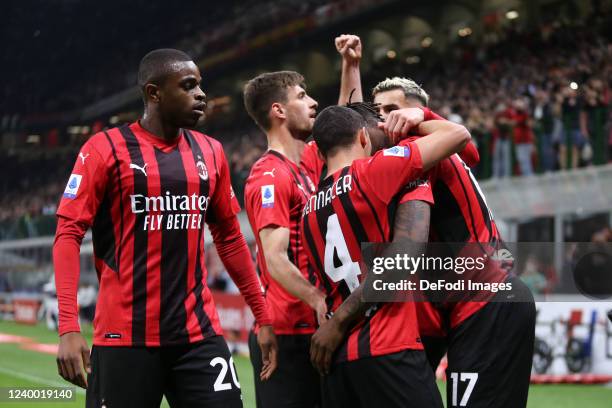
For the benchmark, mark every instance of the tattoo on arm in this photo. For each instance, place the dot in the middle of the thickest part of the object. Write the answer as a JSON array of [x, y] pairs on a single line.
[[411, 226], [412, 222]]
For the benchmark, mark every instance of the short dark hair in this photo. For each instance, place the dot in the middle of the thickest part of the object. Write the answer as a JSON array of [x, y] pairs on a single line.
[[264, 90], [369, 112], [335, 127], [155, 66]]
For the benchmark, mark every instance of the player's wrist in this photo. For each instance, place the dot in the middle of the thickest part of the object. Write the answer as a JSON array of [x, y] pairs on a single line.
[[315, 297], [351, 62], [73, 328], [427, 113], [341, 320]]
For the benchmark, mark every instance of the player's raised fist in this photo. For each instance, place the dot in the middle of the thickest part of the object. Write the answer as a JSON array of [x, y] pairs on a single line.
[[400, 121], [349, 46]]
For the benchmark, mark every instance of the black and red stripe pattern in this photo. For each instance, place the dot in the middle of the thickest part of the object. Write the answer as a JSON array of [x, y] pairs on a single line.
[[459, 216], [148, 238], [289, 187], [351, 207]]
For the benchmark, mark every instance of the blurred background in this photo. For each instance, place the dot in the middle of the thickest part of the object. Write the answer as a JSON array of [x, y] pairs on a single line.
[[531, 80]]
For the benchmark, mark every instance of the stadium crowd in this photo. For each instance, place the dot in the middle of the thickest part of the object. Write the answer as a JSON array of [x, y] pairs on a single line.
[[539, 107]]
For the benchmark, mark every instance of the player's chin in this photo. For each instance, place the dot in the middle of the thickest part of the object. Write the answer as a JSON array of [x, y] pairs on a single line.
[[193, 119]]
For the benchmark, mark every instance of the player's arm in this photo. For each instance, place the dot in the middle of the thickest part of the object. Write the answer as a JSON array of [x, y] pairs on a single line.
[[469, 154], [441, 139], [73, 350], [76, 212], [401, 121], [275, 242], [411, 226], [349, 47], [236, 257]]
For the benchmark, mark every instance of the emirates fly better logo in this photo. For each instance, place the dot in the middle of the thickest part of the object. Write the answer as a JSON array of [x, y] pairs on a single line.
[[170, 212]]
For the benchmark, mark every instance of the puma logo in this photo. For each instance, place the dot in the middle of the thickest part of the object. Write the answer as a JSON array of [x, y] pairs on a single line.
[[271, 172], [83, 157], [137, 167]]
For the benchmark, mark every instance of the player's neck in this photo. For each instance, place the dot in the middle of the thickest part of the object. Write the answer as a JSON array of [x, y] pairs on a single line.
[[156, 127], [280, 140], [342, 159]]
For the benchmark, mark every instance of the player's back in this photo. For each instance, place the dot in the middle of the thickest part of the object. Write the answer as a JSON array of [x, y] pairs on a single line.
[[351, 207], [461, 218]]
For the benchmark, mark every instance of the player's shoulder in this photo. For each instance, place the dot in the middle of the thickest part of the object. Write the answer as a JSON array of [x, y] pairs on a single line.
[[311, 152], [101, 143], [268, 169], [200, 137], [448, 168], [311, 147]]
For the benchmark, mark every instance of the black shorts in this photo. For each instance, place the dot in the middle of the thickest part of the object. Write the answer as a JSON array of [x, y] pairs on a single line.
[[295, 383], [193, 375], [490, 354], [401, 380], [435, 348]]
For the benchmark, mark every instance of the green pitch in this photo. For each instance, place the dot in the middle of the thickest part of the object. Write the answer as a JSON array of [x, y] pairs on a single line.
[[24, 368]]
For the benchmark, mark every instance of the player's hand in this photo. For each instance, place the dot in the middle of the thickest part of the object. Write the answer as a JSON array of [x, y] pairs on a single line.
[[324, 343], [320, 307], [400, 121], [269, 351], [73, 358], [349, 46]]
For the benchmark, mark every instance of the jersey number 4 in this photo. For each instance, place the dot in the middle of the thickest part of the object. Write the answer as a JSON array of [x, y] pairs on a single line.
[[338, 263]]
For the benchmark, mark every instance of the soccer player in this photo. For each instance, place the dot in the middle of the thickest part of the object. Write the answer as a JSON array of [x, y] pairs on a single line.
[[146, 190], [396, 93], [451, 205], [278, 186], [381, 360]]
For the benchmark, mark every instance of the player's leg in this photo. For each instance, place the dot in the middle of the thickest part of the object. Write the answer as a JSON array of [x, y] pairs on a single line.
[[201, 375], [256, 363], [295, 383], [125, 377], [490, 354], [432, 332], [337, 389], [435, 349], [401, 380]]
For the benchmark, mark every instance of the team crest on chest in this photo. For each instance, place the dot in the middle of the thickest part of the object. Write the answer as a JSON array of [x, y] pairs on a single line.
[[202, 169]]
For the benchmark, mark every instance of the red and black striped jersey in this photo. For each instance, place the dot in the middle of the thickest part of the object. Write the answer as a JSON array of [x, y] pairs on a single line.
[[352, 207], [147, 200], [274, 196], [459, 214], [311, 162]]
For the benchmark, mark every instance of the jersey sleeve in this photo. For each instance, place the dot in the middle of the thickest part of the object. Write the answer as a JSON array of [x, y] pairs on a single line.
[[267, 199], [223, 203], [419, 190], [86, 186], [311, 162], [469, 154], [389, 170]]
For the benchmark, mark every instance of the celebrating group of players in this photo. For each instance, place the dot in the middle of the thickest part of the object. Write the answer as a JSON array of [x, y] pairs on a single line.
[[391, 171]]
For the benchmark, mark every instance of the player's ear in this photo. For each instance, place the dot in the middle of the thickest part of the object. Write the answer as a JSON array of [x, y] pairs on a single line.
[[364, 137], [365, 141], [277, 111], [151, 92]]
